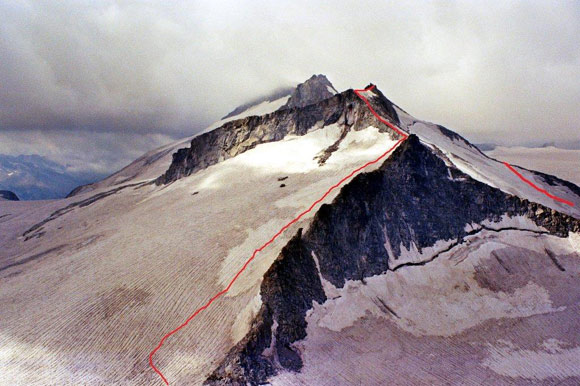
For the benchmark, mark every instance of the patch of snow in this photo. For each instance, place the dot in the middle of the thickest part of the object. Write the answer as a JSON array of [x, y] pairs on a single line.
[[263, 108], [364, 144], [331, 90], [330, 289], [521, 222], [574, 239], [245, 317], [412, 255], [294, 154]]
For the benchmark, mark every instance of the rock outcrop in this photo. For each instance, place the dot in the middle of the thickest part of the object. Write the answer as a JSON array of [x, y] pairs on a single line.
[[8, 195], [236, 137], [314, 90], [413, 198]]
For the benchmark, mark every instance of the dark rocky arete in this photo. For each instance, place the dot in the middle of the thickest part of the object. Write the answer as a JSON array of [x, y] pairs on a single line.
[[236, 137], [413, 197]]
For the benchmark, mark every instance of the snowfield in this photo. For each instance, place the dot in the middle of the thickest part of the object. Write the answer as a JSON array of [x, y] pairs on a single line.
[[130, 267], [90, 284]]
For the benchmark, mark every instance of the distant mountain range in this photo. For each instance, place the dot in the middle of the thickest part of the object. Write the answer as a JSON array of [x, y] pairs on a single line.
[[34, 177]]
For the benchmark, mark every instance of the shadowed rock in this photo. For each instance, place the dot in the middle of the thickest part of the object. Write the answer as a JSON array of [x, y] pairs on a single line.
[[413, 198]]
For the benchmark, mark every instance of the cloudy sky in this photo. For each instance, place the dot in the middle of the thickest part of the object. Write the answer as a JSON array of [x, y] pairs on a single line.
[[94, 84]]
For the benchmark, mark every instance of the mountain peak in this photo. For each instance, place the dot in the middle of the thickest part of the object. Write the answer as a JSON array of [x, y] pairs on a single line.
[[313, 90], [8, 195]]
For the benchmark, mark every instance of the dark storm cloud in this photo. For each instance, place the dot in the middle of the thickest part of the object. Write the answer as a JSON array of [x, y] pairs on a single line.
[[104, 81]]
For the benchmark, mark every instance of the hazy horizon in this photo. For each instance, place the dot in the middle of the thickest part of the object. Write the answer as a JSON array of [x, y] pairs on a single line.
[[95, 84]]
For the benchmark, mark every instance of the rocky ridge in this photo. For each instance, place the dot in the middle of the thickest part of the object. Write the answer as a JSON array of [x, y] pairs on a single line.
[[314, 90], [236, 137], [413, 198]]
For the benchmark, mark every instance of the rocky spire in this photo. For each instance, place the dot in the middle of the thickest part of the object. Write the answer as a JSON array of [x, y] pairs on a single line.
[[314, 90]]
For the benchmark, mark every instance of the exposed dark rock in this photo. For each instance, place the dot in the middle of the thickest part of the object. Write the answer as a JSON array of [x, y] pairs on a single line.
[[282, 178], [8, 195], [314, 90], [238, 136], [412, 198], [288, 290], [282, 185]]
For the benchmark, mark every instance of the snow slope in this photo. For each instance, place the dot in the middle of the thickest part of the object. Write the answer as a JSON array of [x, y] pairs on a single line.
[[114, 276], [471, 161], [90, 284]]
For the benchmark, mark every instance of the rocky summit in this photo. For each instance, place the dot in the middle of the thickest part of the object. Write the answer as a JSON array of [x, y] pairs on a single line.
[[314, 90], [300, 240]]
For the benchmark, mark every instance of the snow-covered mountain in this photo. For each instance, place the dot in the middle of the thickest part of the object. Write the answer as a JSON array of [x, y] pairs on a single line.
[[8, 195], [433, 264], [33, 177]]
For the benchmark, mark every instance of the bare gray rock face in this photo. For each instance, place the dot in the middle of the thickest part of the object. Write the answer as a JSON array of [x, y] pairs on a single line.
[[236, 137], [314, 90]]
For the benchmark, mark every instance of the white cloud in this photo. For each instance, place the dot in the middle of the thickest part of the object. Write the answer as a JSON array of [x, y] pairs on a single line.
[[493, 71]]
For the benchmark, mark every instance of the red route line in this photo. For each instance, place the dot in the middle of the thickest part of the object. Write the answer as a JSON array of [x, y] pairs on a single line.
[[505, 163], [222, 292], [370, 88], [404, 137], [510, 167]]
